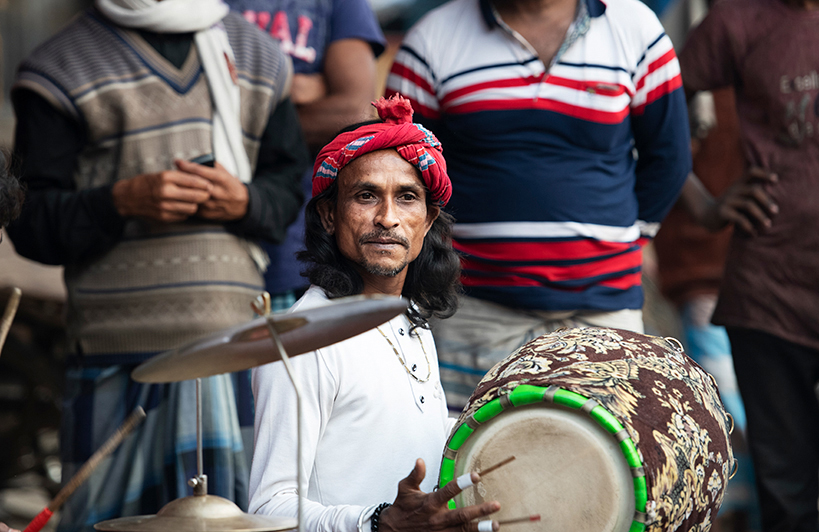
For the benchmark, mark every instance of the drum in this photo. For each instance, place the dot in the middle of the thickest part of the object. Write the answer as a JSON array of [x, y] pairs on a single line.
[[599, 430]]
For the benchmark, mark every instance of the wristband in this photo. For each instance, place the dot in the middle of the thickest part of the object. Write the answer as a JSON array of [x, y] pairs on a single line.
[[377, 515], [365, 513]]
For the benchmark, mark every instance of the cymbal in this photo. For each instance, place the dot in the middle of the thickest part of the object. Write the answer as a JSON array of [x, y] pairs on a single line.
[[200, 513], [249, 345]]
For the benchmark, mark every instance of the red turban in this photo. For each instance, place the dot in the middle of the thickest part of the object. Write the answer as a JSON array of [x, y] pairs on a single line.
[[414, 143]]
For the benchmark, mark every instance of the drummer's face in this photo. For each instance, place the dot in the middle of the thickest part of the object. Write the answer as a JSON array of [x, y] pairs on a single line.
[[380, 218]]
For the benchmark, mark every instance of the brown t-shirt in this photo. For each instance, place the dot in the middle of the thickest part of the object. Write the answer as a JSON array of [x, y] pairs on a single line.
[[769, 52]]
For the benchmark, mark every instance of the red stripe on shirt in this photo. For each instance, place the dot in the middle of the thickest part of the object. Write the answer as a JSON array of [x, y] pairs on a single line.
[[531, 251], [630, 280], [658, 92], [572, 272], [654, 66], [494, 84], [507, 280], [543, 104], [596, 87], [410, 75], [417, 106]]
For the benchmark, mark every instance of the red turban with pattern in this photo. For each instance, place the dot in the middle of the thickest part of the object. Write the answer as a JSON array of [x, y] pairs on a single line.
[[414, 143]]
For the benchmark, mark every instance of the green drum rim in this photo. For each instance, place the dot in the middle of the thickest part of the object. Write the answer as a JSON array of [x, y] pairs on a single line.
[[526, 394]]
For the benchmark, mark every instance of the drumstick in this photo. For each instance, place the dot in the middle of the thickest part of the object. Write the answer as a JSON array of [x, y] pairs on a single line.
[[465, 480], [8, 316], [85, 471], [496, 466], [524, 519], [486, 525]]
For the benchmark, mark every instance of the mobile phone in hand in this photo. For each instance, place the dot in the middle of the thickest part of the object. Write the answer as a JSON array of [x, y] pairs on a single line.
[[205, 160]]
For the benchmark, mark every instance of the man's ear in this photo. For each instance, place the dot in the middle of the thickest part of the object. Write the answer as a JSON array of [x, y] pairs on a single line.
[[325, 211], [432, 214]]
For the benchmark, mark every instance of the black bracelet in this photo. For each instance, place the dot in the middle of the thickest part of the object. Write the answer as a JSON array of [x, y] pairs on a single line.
[[376, 515]]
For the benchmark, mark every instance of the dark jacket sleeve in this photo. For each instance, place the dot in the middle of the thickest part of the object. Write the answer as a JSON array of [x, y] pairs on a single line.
[[58, 223], [275, 191]]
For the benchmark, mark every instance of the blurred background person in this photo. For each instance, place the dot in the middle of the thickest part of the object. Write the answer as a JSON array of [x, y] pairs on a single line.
[[333, 45], [769, 296], [158, 249], [540, 106]]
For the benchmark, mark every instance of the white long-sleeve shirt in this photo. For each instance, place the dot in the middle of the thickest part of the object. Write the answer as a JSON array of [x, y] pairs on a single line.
[[366, 421]]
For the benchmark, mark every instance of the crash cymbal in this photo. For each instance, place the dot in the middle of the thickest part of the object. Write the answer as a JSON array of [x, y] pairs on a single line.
[[249, 345], [202, 513]]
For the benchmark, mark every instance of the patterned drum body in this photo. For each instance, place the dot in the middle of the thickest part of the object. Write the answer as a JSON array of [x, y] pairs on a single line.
[[612, 431]]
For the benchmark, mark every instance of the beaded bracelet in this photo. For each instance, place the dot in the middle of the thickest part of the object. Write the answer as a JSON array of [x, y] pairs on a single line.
[[376, 515]]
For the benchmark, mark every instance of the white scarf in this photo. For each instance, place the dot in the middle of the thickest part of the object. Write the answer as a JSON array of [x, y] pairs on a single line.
[[201, 17]]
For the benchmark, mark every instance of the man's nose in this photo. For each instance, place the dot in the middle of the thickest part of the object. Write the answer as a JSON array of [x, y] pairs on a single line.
[[387, 216]]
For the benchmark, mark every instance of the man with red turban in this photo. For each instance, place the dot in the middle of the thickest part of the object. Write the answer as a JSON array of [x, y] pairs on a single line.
[[372, 404]]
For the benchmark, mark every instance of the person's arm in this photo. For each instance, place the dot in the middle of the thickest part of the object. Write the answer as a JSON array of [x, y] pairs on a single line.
[[274, 194], [659, 121], [273, 483], [746, 204], [349, 77], [58, 223], [273, 487]]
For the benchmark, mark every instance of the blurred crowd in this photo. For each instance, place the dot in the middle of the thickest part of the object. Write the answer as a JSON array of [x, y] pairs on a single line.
[[606, 170]]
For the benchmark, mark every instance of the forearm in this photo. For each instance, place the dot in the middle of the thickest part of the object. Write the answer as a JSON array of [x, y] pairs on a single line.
[[64, 227], [696, 199], [349, 75], [274, 195], [317, 517]]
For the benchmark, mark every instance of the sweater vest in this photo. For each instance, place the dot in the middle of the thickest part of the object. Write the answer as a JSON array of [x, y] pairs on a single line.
[[162, 285]]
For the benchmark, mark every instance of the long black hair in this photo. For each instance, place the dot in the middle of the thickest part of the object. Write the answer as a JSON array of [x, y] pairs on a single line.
[[432, 281]]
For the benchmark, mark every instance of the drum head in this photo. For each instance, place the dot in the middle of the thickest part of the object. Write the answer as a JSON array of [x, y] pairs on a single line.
[[567, 468]]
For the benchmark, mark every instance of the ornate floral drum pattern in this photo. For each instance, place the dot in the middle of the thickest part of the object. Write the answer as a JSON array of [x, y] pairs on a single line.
[[612, 431]]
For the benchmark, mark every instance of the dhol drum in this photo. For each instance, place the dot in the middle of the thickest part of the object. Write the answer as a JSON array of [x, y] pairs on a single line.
[[610, 430]]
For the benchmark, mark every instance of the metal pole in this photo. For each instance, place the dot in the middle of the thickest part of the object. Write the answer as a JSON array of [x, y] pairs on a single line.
[[199, 466], [290, 373]]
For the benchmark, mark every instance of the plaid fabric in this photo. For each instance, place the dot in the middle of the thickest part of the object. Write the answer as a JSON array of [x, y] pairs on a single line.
[[154, 463]]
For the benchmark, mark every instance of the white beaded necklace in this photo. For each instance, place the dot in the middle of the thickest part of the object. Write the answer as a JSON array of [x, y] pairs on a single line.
[[401, 359]]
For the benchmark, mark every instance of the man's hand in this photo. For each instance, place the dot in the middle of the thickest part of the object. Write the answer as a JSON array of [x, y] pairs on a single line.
[[4, 528], [228, 196], [168, 196], [414, 510], [746, 204], [308, 88]]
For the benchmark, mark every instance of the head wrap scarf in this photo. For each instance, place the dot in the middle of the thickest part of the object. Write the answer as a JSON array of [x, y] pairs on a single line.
[[416, 144]]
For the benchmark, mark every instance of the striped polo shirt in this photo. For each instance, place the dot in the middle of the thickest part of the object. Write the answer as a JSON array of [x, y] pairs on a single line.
[[561, 172]]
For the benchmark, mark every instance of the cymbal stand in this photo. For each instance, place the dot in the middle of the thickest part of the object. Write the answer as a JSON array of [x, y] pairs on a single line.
[[286, 359], [199, 483]]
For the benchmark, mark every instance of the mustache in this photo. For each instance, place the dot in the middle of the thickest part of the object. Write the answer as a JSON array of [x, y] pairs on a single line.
[[383, 235]]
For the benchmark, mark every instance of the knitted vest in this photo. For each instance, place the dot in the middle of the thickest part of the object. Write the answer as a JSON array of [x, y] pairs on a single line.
[[162, 285]]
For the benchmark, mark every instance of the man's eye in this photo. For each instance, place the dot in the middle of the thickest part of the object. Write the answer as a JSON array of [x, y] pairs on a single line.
[[409, 197], [366, 195]]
